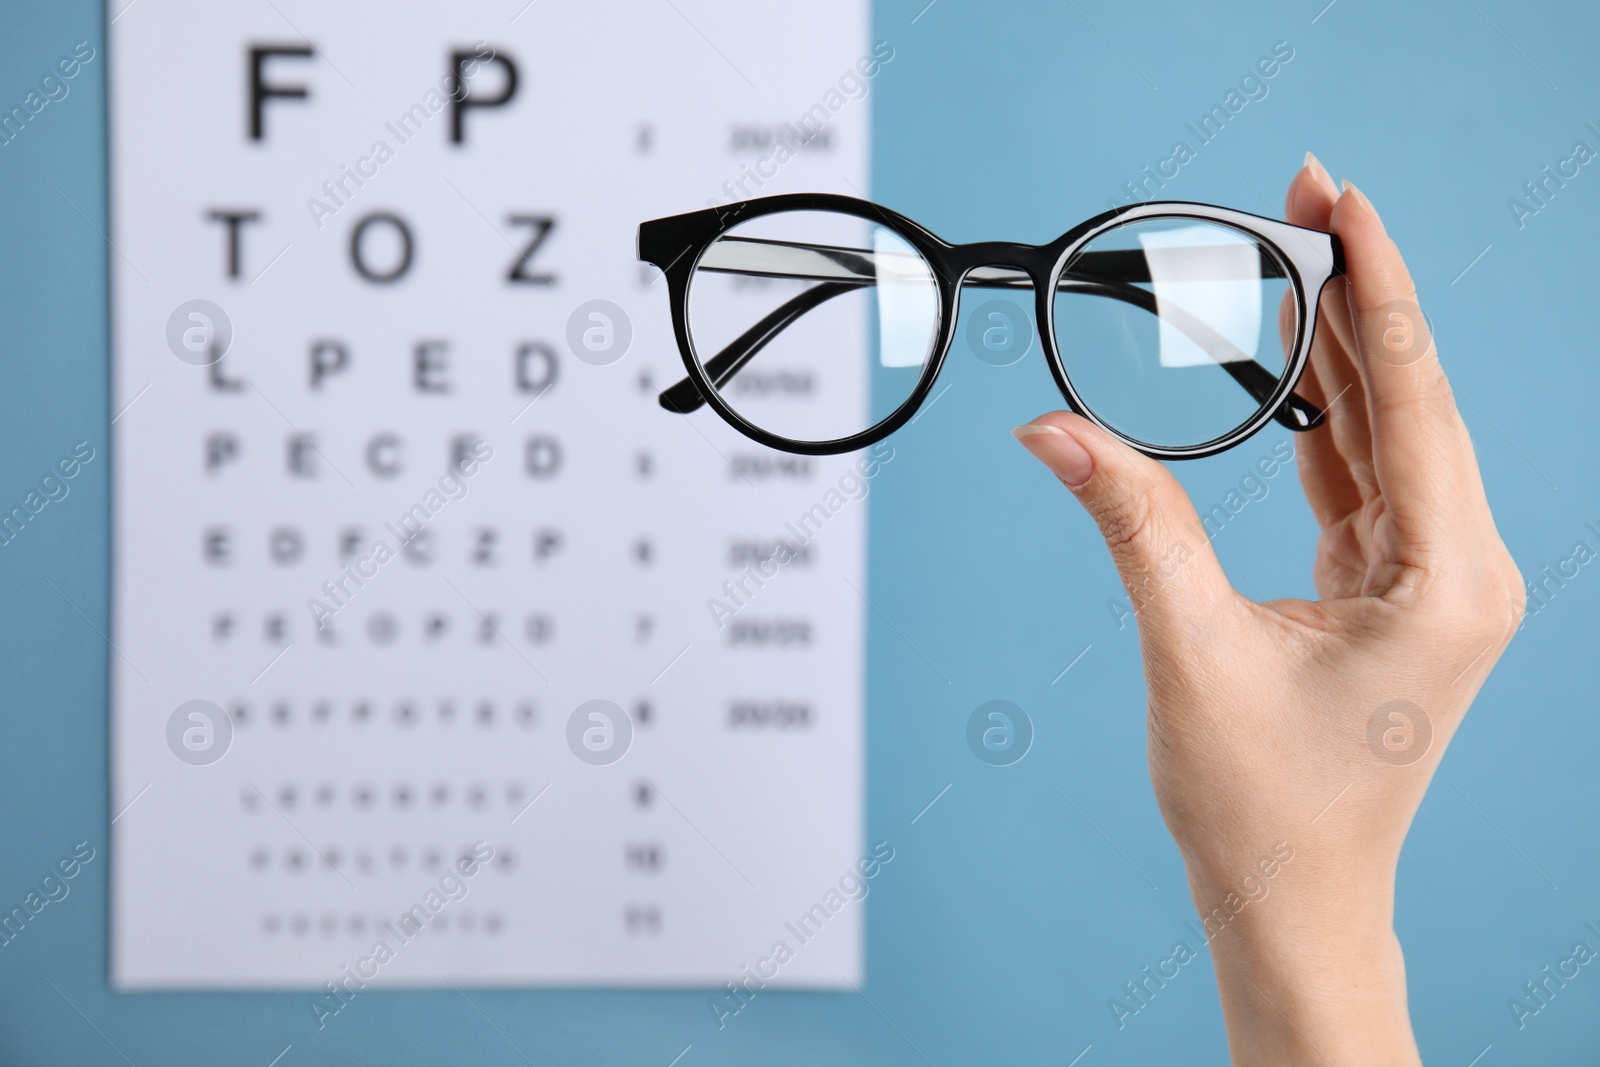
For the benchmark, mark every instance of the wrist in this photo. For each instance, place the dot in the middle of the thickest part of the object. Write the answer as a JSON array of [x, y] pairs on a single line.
[[1310, 970], [1316, 1004]]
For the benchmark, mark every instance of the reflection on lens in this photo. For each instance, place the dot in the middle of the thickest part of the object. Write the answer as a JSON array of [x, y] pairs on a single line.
[[1168, 329], [813, 325]]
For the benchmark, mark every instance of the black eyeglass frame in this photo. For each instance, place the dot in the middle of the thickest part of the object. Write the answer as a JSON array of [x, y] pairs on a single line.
[[1308, 259]]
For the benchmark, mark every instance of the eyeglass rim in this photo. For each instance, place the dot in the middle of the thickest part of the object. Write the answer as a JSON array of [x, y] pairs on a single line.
[[667, 242], [1293, 367]]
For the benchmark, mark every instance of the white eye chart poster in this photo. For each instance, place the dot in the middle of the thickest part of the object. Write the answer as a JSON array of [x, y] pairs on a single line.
[[442, 652]]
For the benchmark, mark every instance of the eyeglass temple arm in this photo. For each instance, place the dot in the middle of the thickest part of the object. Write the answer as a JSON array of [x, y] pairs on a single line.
[[684, 395], [855, 268]]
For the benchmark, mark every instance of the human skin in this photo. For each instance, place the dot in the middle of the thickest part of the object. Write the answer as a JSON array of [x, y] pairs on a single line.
[[1259, 713]]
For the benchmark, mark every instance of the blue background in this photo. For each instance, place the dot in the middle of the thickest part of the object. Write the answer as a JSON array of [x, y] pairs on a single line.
[[1007, 919]]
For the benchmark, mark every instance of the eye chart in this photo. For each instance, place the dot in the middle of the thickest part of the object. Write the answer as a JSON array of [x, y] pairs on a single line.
[[415, 583]]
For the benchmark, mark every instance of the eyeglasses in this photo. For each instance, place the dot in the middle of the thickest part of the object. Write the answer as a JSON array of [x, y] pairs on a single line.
[[1179, 328]]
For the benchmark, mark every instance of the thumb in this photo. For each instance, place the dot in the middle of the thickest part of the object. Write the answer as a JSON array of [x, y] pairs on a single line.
[[1156, 540]]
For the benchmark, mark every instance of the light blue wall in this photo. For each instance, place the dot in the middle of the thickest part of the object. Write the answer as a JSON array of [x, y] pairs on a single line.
[[1008, 918]]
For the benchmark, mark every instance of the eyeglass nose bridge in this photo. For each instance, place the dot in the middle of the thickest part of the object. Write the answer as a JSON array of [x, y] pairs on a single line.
[[995, 268], [1030, 261]]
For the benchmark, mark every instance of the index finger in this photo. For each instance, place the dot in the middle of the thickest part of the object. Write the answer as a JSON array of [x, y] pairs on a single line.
[[1420, 446]]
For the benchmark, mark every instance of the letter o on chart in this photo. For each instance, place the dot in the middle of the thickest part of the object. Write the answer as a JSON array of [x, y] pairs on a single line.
[[286, 545], [400, 259]]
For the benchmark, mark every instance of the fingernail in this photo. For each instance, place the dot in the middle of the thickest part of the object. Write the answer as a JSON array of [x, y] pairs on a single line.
[[1058, 450], [1318, 171], [1360, 197]]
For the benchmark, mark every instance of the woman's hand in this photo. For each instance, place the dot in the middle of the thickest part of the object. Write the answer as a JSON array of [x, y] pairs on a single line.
[[1312, 728]]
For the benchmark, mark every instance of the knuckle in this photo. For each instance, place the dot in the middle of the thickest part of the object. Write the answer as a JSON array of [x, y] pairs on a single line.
[[1515, 593], [1125, 522], [1481, 604]]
